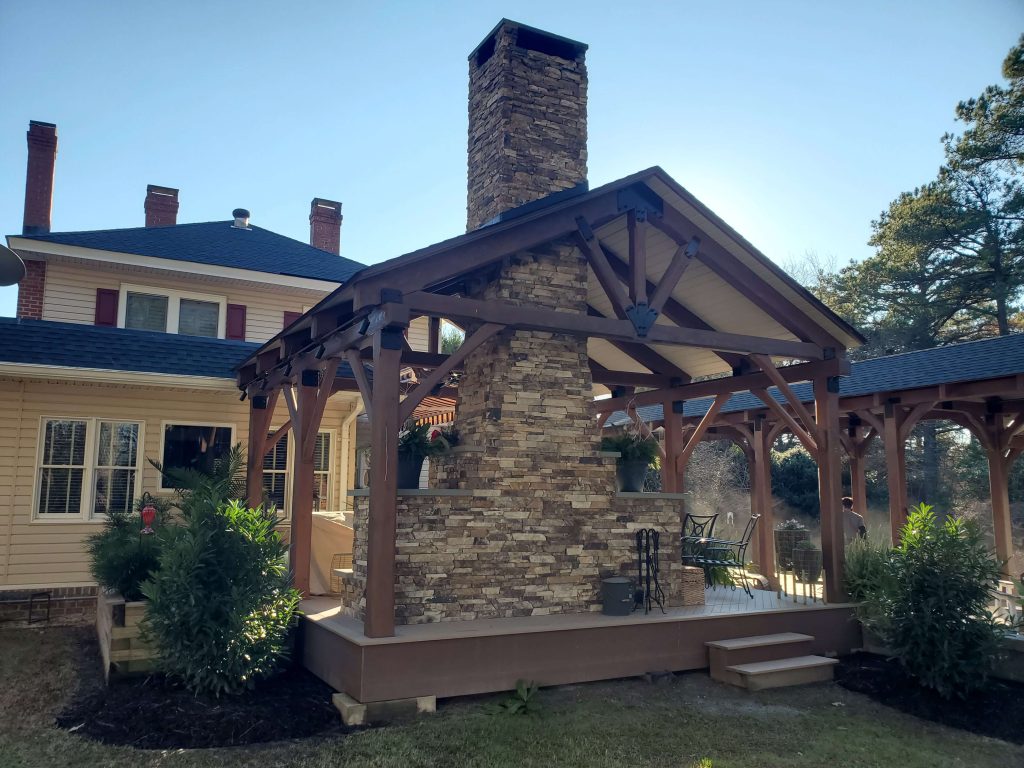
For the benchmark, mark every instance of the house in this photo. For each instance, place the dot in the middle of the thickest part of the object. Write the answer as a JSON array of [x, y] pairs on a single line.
[[122, 352]]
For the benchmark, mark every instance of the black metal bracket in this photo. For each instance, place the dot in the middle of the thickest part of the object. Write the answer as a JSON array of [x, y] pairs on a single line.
[[642, 317]]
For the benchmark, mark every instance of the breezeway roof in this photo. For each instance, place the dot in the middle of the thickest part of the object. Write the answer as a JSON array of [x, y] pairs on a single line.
[[969, 361]]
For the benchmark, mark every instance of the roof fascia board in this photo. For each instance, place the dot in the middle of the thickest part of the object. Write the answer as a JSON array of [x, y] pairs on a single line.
[[174, 265], [740, 247], [111, 376]]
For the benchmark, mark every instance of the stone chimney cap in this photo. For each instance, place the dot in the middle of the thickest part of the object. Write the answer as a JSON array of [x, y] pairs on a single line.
[[532, 38]]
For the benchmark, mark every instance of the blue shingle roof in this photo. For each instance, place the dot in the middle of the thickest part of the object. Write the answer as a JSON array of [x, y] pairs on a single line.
[[970, 361], [40, 342], [217, 243]]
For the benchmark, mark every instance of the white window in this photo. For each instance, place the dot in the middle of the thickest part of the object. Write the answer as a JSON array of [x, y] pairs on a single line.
[[87, 468], [161, 309], [192, 446], [277, 473]]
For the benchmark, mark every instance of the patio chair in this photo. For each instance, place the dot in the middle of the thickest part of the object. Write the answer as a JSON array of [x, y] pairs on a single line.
[[696, 528], [731, 555]]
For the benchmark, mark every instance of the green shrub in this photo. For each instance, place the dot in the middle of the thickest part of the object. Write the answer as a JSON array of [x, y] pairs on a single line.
[[220, 605], [121, 557], [416, 440], [930, 601]]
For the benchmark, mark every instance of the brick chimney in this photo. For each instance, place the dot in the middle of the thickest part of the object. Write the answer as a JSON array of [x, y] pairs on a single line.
[[325, 224], [42, 158], [161, 206], [527, 119]]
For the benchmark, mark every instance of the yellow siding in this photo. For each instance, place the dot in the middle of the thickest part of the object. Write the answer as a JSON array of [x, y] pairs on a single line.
[[419, 332], [69, 294], [36, 552]]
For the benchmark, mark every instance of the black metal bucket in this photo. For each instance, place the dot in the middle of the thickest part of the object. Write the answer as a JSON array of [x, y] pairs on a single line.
[[617, 596]]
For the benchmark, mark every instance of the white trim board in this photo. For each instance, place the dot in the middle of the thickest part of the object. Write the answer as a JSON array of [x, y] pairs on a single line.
[[173, 265], [108, 376]]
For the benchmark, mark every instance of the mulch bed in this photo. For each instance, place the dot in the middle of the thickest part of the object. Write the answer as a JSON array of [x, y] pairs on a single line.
[[996, 711], [152, 713]]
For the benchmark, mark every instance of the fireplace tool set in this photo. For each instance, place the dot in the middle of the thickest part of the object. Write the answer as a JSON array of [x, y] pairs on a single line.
[[649, 589]]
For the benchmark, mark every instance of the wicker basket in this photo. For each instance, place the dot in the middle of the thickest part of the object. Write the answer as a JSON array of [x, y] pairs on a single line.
[[693, 585]]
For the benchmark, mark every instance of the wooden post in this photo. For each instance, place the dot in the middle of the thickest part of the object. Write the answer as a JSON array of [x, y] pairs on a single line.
[[761, 498], [259, 424], [896, 469], [671, 476], [382, 520], [998, 482], [301, 507], [858, 480], [826, 408]]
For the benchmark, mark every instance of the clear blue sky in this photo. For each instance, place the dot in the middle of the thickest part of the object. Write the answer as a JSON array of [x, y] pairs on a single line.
[[797, 122]]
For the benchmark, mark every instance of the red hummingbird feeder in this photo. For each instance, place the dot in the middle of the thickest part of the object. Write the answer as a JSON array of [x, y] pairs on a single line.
[[148, 515]]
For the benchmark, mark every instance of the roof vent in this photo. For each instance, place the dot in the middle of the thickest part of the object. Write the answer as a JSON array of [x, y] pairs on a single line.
[[241, 218]]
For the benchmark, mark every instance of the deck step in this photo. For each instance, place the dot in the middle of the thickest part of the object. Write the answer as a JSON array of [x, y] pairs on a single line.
[[723, 654], [798, 670]]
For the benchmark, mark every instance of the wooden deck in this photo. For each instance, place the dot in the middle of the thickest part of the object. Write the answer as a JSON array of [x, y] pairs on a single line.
[[467, 657]]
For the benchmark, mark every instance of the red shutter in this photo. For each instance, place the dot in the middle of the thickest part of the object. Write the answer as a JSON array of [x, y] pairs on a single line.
[[235, 322], [106, 307], [291, 317]]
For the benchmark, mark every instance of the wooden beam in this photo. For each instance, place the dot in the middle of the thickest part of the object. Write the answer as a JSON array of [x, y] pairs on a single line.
[[382, 519], [525, 318], [702, 428], [911, 418], [769, 369], [259, 423], [896, 469], [681, 260], [801, 434], [434, 379], [601, 375], [830, 490], [275, 438], [434, 335], [637, 229], [672, 309], [362, 380], [737, 274], [743, 383], [671, 478], [602, 269], [323, 393], [761, 499]]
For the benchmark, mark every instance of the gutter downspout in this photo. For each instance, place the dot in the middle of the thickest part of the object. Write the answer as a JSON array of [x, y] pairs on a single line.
[[347, 426]]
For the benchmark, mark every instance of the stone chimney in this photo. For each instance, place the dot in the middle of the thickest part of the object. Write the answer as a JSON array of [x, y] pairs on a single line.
[[42, 158], [161, 206], [527, 119], [325, 225]]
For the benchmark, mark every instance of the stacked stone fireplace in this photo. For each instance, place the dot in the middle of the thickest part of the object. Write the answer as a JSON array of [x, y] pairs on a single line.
[[523, 518]]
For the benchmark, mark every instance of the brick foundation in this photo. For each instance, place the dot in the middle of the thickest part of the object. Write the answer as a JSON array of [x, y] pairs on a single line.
[[69, 606]]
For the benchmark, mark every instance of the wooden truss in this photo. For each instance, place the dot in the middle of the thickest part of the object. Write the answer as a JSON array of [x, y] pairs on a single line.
[[359, 330]]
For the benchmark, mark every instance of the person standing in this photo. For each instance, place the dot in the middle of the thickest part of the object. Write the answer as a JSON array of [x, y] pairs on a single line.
[[853, 524]]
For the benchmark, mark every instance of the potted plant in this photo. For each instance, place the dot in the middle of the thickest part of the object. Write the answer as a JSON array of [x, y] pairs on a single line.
[[636, 454], [807, 561], [786, 536], [415, 443]]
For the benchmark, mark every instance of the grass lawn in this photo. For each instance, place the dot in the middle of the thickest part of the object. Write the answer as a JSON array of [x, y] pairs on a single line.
[[622, 723]]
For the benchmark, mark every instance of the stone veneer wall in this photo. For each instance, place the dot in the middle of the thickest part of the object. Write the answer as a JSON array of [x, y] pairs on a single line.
[[530, 523], [527, 120]]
